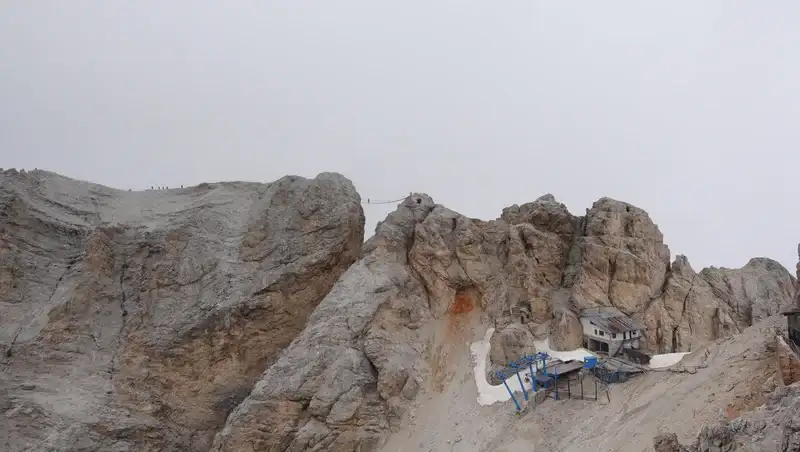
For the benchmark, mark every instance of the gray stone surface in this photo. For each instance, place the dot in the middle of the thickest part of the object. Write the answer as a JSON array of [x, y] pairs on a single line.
[[356, 355], [240, 316], [135, 321], [430, 277], [695, 308], [775, 426]]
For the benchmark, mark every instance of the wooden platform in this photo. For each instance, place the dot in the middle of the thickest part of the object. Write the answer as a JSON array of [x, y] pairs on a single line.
[[561, 368]]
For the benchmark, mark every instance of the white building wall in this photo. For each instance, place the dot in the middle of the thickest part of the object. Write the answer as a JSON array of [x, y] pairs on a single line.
[[614, 344], [589, 331]]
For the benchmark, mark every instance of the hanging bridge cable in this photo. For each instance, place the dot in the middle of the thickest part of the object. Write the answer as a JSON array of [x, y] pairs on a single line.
[[375, 201]]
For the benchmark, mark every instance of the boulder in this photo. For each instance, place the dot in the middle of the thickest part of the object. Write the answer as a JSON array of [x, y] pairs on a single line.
[[510, 343], [668, 442]]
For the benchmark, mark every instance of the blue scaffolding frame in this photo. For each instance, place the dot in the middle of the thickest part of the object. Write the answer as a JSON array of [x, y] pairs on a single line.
[[542, 378], [533, 362]]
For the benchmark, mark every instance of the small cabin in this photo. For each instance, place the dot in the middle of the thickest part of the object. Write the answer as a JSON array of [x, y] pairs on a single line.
[[793, 319], [607, 329]]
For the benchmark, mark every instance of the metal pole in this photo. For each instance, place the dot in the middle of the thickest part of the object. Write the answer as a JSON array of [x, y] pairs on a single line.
[[581, 386], [524, 391], [569, 387], [503, 377], [556, 381], [512, 396], [595, 389], [533, 375]]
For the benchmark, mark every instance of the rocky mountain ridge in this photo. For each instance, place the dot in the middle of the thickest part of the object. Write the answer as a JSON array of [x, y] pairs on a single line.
[[138, 320], [240, 316], [430, 277]]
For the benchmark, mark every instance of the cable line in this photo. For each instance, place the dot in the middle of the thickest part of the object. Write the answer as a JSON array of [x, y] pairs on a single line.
[[375, 201]]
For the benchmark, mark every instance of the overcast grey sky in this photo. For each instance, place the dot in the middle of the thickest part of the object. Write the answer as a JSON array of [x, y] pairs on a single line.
[[687, 109]]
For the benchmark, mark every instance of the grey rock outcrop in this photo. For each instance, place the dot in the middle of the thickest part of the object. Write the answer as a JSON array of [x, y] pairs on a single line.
[[332, 389], [775, 426], [668, 442], [242, 316], [623, 258], [425, 281], [696, 308], [135, 321], [430, 277]]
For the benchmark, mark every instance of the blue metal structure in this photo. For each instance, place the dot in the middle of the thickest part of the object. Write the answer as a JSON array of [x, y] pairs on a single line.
[[539, 374], [502, 376], [515, 365], [552, 380], [530, 359]]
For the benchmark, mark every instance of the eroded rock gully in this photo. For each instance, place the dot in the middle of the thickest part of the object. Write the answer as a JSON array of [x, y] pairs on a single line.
[[182, 319]]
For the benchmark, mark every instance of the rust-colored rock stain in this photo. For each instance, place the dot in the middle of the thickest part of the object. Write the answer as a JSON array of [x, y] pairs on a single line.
[[448, 348], [464, 301]]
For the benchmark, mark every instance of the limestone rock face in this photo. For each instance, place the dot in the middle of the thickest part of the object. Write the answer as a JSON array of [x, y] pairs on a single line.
[[774, 426], [617, 258], [788, 361], [760, 289], [622, 258], [335, 386], [236, 316], [397, 319], [135, 321], [431, 280], [695, 308]]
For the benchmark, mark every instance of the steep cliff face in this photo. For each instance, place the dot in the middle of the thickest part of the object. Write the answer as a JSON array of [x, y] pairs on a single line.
[[696, 308], [228, 317], [430, 278], [138, 320]]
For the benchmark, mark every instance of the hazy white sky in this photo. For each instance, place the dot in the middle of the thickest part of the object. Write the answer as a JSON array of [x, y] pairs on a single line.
[[687, 109]]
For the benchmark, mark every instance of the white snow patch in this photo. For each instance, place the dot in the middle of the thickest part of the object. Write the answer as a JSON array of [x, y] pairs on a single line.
[[666, 360], [489, 394]]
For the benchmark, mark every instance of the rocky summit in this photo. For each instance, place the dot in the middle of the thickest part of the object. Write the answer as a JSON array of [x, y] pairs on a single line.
[[248, 317]]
